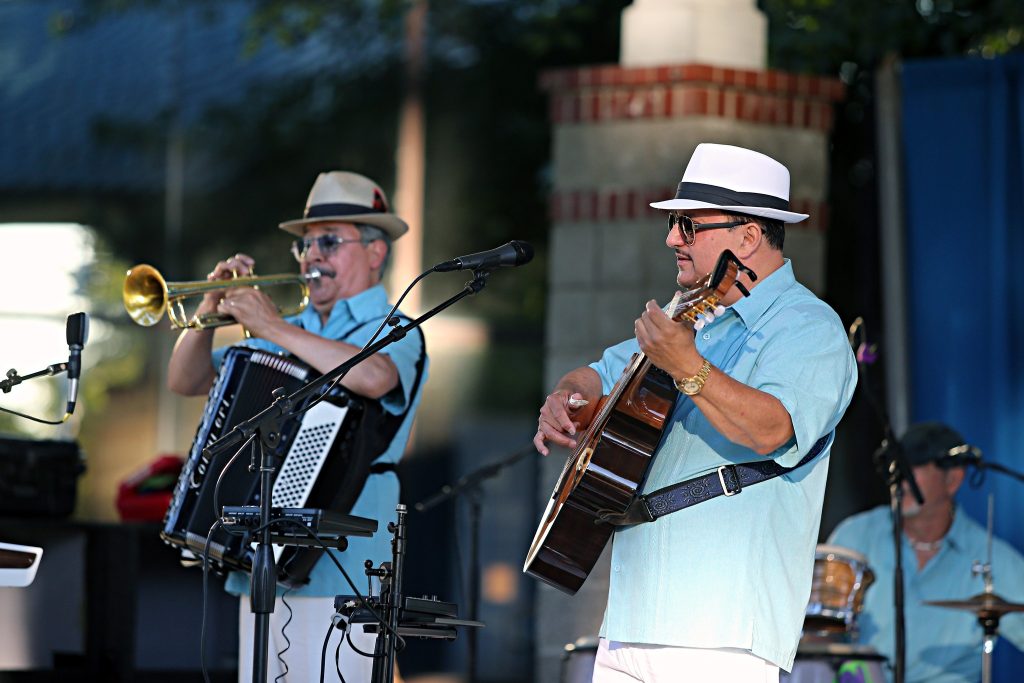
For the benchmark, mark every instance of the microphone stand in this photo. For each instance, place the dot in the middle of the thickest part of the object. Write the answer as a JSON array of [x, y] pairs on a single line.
[[470, 484], [14, 379], [892, 463], [391, 600], [266, 425], [891, 459]]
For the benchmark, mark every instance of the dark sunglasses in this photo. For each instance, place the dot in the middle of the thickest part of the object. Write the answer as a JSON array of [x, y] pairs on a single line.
[[688, 229], [327, 244]]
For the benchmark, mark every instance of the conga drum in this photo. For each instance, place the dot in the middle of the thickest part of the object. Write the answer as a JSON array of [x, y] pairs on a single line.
[[841, 576]]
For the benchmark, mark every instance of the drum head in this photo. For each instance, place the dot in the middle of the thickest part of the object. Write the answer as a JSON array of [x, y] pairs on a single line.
[[824, 550]]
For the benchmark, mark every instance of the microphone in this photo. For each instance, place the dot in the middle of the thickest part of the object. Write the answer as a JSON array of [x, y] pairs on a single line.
[[960, 456], [515, 253], [77, 335]]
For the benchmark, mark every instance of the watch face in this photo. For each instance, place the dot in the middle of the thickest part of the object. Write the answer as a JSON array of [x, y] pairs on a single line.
[[691, 386]]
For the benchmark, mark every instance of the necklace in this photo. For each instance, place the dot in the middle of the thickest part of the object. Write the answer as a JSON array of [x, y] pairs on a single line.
[[932, 546], [926, 546]]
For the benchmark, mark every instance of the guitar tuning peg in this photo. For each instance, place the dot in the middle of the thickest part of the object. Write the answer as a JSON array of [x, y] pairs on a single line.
[[719, 310], [699, 325]]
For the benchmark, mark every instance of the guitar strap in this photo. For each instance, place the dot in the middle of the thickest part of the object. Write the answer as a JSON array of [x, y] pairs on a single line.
[[727, 480]]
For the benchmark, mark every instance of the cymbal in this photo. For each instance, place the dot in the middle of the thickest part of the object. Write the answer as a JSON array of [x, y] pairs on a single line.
[[984, 605]]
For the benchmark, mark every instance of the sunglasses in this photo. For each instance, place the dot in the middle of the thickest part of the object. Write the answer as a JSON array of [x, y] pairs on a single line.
[[688, 229], [327, 244]]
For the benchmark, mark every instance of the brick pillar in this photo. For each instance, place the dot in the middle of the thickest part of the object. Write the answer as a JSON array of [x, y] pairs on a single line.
[[622, 137]]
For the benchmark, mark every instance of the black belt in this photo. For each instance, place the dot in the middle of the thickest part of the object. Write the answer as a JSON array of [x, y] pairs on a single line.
[[727, 480], [383, 467]]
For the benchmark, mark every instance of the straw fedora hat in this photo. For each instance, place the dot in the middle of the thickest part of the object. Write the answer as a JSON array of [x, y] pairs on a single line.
[[349, 197], [736, 180]]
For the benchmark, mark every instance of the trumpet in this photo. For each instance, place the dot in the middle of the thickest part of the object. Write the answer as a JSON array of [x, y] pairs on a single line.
[[148, 296]]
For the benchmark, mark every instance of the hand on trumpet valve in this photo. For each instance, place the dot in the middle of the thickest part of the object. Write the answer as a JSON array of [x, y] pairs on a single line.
[[239, 265], [250, 307]]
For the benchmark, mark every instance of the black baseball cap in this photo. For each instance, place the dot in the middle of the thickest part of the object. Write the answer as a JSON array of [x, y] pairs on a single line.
[[927, 442]]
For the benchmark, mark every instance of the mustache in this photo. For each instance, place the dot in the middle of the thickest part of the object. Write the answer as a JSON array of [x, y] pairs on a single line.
[[323, 271]]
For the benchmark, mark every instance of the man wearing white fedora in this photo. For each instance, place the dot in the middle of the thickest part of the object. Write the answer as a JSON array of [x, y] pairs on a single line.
[[346, 233], [716, 591]]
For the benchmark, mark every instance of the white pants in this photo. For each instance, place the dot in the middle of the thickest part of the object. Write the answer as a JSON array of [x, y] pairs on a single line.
[[310, 620], [630, 662]]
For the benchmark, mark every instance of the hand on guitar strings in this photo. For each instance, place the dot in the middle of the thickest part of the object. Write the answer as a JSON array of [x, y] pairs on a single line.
[[560, 417], [669, 344]]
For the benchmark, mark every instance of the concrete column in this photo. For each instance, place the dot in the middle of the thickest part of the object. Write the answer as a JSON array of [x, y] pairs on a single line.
[[723, 32]]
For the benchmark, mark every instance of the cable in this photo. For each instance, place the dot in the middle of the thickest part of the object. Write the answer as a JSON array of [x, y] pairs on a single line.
[[337, 619], [337, 660], [323, 652], [287, 640], [355, 649], [220, 477], [384, 322], [977, 478], [206, 576], [37, 419]]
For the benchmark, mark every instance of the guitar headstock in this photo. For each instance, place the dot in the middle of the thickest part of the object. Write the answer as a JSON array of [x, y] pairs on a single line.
[[700, 305]]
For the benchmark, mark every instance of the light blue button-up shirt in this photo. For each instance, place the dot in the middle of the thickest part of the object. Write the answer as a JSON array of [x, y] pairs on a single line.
[[354, 321], [943, 645], [735, 572]]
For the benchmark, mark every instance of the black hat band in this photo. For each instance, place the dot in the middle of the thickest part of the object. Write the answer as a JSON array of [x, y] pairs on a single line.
[[323, 210], [723, 196]]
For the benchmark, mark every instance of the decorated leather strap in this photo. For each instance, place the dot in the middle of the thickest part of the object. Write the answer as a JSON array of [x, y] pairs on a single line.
[[727, 480]]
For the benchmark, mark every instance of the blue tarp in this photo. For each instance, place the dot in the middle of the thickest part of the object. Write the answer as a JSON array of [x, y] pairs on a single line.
[[962, 147]]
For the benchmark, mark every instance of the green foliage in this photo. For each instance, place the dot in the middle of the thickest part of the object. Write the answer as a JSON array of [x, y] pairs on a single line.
[[292, 22], [820, 36]]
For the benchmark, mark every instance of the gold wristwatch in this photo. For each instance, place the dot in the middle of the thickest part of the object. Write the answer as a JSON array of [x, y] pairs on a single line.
[[691, 386]]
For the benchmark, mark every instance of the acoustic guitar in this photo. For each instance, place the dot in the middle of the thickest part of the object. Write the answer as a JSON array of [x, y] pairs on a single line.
[[613, 456]]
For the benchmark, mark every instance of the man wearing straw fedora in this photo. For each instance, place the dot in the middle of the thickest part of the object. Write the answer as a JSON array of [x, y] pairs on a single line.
[[712, 585], [346, 234]]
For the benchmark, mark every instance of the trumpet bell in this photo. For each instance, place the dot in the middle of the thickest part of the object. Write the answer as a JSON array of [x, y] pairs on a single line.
[[145, 295]]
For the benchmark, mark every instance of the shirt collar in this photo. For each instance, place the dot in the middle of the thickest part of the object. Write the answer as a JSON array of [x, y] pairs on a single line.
[[362, 307], [750, 308]]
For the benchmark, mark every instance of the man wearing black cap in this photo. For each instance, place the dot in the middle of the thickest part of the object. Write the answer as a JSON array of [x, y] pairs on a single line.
[[941, 544], [345, 234]]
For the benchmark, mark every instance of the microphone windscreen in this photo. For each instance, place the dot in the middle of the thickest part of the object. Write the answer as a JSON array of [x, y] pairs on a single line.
[[77, 330], [524, 251]]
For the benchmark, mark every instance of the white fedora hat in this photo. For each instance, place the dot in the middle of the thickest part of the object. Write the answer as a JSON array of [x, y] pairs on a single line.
[[736, 180], [348, 197]]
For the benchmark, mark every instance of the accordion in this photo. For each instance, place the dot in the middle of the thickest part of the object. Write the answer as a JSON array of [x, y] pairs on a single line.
[[327, 456]]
